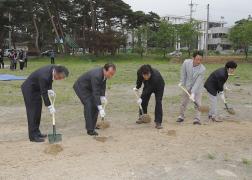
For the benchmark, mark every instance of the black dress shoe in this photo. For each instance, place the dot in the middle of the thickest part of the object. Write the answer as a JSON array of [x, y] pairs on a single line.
[[158, 126], [42, 135], [213, 119], [37, 139], [180, 120], [92, 133], [196, 122]]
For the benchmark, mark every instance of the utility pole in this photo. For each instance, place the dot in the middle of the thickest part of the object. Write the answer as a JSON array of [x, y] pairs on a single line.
[[207, 27], [9, 30], [191, 5]]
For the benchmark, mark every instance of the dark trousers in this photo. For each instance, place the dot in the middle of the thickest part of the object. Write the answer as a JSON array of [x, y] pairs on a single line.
[[90, 110], [14, 65], [90, 114], [146, 94], [26, 61], [52, 60], [33, 104], [21, 64], [1, 64]]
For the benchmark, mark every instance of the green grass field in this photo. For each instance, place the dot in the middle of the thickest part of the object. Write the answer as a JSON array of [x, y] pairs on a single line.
[[126, 74]]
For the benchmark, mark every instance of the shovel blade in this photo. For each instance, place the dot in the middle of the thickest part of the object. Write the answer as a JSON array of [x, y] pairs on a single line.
[[54, 138], [230, 110]]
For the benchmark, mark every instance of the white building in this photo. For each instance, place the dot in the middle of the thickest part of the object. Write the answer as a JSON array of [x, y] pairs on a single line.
[[217, 33]]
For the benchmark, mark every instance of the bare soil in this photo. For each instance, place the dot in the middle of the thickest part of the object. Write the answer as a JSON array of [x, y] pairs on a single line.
[[127, 150]]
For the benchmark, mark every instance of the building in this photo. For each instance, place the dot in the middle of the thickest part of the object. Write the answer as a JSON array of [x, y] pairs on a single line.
[[217, 33]]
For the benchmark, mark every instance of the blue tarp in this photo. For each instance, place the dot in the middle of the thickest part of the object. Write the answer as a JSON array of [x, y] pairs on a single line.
[[10, 77]]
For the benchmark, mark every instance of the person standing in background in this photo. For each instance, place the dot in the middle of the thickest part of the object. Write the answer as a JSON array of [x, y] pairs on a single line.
[[1, 59], [21, 59], [25, 59], [52, 56]]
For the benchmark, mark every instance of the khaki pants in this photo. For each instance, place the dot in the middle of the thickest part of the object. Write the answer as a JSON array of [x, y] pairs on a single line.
[[184, 102]]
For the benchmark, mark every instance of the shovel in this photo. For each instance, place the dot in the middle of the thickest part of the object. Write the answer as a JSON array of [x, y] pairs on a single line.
[[145, 118], [103, 124], [54, 137], [229, 110], [200, 108]]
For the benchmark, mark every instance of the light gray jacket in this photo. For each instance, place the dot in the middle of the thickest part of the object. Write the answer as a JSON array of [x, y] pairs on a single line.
[[192, 77]]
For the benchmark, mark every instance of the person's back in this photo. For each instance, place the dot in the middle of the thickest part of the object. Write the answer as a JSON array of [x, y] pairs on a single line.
[[52, 54], [32, 83], [215, 81], [84, 82]]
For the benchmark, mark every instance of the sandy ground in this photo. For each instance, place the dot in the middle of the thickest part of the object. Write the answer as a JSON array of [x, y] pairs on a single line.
[[131, 151]]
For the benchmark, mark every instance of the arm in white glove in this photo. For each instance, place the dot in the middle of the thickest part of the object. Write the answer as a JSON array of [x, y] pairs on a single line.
[[227, 88], [192, 97], [101, 111], [135, 89], [222, 95], [139, 101], [51, 93], [51, 109], [104, 100]]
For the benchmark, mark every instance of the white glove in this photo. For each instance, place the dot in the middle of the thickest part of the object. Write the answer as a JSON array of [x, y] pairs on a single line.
[[135, 89], [139, 101], [101, 111], [180, 84], [222, 95], [104, 100], [51, 93], [192, 97], [227, 88], [51, 109]]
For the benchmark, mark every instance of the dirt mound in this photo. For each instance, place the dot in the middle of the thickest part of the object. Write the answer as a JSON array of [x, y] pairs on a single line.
[[103, 125], [145, 118], [204, 109], [53, 149], [100, 138], [169, 132]]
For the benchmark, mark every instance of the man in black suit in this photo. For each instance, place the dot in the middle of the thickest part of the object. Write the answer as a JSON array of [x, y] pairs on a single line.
[[38, 84], [215, 86], [153, 83], [90, 88]]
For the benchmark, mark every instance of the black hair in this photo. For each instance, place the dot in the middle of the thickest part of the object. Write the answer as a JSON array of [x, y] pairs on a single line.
[[109, 65], [197, 52], [231, 64], [145, 69], [62, 69]]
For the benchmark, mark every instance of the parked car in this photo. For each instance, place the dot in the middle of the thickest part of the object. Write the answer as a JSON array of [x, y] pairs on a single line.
[[46, 53], [7, 52], [176, 53]]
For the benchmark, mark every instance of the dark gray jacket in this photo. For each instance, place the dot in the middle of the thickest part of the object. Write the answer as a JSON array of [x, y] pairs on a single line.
[[91, 84], [38, 84]]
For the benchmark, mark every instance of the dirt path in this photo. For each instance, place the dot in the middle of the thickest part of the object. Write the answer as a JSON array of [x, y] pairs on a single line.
[[137, 152]]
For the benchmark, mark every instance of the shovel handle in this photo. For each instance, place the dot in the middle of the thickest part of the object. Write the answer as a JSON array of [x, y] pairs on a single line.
[[185, 90], [52, 101], [140, 106]]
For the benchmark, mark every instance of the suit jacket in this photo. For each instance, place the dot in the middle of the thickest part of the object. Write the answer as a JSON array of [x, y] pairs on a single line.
[[155, 82], [91, 84], [215, 82], [38, 84], [192, 77]]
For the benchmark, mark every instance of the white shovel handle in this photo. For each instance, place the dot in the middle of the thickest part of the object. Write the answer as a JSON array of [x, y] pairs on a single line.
[[185, 90], [137, 95], [52, 100]]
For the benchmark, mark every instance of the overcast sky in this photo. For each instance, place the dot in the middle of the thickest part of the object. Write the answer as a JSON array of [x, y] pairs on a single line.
[[231, 10]]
